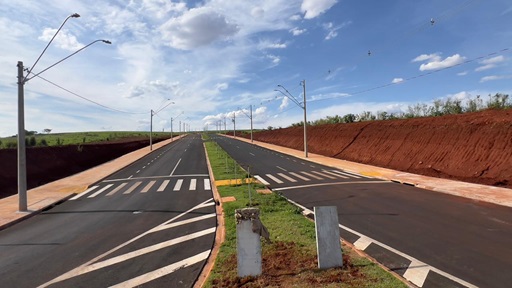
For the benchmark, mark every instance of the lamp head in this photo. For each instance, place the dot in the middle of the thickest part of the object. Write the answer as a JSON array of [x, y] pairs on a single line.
[[106, 41], [75, 15]]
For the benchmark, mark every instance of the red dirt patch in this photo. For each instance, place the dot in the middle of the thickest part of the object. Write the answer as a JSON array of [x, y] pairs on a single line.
[[472, 147]]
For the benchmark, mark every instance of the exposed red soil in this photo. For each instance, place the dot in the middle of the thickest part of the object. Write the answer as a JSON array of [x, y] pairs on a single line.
[[46, 164], [473, 147]]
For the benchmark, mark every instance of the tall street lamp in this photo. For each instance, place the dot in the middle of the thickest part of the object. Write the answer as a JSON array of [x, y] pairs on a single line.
[[250, 117], [22, 80], [174, 119], [301, 105], [151, 124]]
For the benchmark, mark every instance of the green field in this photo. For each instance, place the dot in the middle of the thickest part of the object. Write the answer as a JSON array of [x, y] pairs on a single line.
[[290, 260], [75, 138]]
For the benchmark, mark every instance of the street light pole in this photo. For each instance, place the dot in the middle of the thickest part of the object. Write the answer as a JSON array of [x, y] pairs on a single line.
[[151, 132], [305, 121]]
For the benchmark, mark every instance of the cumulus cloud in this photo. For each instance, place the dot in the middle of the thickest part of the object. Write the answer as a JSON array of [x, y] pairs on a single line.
[[435, 61], [275, 59], [64, 39], [285, 103], [197, 27], [332, 30], [397, 80], [296, 31], [490, 63], [313, 8]]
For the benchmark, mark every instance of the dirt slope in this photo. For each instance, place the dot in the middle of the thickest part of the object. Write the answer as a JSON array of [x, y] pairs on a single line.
[[473, 147]]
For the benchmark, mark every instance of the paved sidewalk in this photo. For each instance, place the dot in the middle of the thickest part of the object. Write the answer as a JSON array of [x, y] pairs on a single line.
[[491, 194], [47, 195]]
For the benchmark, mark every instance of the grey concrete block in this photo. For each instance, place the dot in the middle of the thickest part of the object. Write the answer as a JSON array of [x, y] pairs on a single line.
[[328, 237]]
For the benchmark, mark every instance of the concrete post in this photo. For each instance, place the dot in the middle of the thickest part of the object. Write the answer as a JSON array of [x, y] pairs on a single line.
[[248, 243], [328, 244]]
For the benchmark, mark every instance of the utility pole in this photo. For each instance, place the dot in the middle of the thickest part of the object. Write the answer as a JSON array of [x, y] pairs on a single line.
[[305, 120], [22, 157], [251, 123], [234, 124]]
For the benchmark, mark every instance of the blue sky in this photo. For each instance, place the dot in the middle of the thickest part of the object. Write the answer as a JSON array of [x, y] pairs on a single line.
[[213, 59]]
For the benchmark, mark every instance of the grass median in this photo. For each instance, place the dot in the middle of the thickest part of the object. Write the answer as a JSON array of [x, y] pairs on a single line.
[[291, 259]]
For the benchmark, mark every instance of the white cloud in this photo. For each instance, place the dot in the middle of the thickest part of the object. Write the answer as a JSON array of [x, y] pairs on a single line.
[[490, 63], [295, 17], [275, 59], [296, 31], [221, 86], [197, 27], [495, 77], [463, 73], [397, 80], [257, 12], [64, 39], [436, 62], [313, 8], [332, 29], [284, 103]]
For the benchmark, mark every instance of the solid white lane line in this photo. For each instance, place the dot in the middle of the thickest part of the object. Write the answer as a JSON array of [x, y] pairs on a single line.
[[184, 222], [299, 176], [207, 185], [287, 177], [261, 180], [177, 187], [335, 174], [274, 178], [162, 187], [150, 184], [99, 191], [150, 276], [175, 167], [192, 186], [311, 175], [282, 169], [116, 189], [323, 174], [132, 187], [83, 193]]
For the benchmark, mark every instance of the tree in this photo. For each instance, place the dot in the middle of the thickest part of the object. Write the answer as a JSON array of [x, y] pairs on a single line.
[[349, 118], [47, 130]]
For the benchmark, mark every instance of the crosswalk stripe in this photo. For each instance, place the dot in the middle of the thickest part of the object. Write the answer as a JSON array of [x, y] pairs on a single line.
[[261, 180], [192, 186], [335, 174], [299, 176], [348, 174], [324, 175], [164, 184], [83, 193], [116, 189], [274, 178], [177, 187], [287, 177], [150, 184], [130, 190], [207, 184], [311, 175], [99, 191]]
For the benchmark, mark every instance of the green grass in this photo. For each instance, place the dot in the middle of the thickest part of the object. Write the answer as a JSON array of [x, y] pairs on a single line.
[[75, 138], [289, 229]]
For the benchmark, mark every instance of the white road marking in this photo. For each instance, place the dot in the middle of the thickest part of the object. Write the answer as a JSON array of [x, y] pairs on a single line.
[[362, 243], [132, 187], [99, 191], [83, 193], [155, 177], [184, 222], [175, 167], [192, 186], [252, 154], [150, 276], [335, 174], [177, 187], [311, 175], [330, 183], [207, 185], [261, 180], [274, 178], [137, 171], [162, 187], [417, 272], [116, 189], [282, 169], [143, 167], [130, 177], [410, 258], [323, 175], [287, 177], [300, 176], [347, 174], [150, 184]]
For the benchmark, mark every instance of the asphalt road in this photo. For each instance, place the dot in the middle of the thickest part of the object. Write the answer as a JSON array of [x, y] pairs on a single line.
[[151, 224], [439, 240]]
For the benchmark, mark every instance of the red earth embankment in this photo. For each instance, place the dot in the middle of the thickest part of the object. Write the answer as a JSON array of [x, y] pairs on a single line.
[[472, 147], [47, 164]]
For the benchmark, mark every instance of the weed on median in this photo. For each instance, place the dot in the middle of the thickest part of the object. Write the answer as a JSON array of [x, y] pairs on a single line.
[[290, 260]]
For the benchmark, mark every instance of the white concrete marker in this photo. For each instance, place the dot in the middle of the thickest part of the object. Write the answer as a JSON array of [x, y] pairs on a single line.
[[417, 272], [362, 243]]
